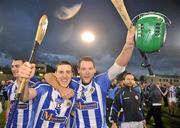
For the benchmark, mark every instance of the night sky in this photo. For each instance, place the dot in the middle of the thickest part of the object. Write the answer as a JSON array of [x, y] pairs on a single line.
[[19, 20]]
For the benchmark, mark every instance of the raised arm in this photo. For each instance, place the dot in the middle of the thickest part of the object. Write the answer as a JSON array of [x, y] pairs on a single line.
[[124, 57], [126, 53]]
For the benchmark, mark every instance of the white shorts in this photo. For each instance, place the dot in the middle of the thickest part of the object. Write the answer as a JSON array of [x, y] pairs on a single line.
[[132, 124], [172, 100]]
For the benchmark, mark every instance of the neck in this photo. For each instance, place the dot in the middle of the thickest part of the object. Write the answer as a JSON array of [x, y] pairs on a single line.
[[18, 81], [129, 87], [86, 83]]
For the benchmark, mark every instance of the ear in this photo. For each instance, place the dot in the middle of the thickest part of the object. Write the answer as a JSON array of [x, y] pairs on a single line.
[[94, 70], [78, 70], [123, 81], [55, 73]]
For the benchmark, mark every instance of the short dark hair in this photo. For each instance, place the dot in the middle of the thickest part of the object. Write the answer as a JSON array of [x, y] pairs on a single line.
[[86, 58], [64, 63], [18, 59], [128, 73]]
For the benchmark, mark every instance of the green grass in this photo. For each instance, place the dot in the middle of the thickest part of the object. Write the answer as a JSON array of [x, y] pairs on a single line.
[[168, 121], [2, 120]]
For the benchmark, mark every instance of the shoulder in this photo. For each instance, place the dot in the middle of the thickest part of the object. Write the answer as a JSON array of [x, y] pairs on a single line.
[[10, 86], [74, 84], [42, 85], [33, 81], [101, 77], [120, 91], [137, 88], [75, 78], [104, 74], [42, 88]]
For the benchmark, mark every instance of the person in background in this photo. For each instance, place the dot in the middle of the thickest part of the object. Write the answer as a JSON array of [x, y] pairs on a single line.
[[126, 110], [155, 103], [23, 110], [164, 90], [171, 96], [114, 87], [1, 98]]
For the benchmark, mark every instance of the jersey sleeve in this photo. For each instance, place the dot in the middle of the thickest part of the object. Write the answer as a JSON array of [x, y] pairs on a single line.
[[103, 81], [33, 81], [115, 70], [74, 84], [9, 88], [42, 88]]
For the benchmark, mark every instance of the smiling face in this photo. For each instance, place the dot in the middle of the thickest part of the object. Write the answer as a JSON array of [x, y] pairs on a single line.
[[86, 71], [64, 74]]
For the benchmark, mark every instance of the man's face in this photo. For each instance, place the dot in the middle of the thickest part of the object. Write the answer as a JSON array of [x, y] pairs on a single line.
[[129, 80], [3, 82], [86, 71], [14, 67], [64, 74]]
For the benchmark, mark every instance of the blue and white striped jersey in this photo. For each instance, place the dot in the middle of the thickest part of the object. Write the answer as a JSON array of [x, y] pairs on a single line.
[[71, 122], [90, 106], [172, 92], [23, 111], [50, 110]]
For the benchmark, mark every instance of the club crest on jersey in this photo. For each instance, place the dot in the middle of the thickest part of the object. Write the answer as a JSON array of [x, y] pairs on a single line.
[[136, 97], [91, 90], [86, 92], [51, 115]]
